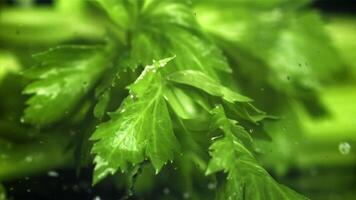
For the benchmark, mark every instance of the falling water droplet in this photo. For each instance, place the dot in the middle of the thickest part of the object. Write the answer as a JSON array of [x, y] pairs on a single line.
[[344, 148], [29, 159], [97, 198], [186, 195], [166, 191], [211, 186], [52, 174]]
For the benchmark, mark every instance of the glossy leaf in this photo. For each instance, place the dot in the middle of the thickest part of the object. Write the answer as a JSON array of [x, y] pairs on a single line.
[[246, 178], [201, 81], [141, 129], [62, 77]]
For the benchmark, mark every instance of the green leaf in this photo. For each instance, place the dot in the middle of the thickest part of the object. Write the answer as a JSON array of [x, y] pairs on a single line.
[[202, 81], [45, 26], [182, 104], [292, 49], [63, 76], [166, 28], [246, 178], [141, 129]]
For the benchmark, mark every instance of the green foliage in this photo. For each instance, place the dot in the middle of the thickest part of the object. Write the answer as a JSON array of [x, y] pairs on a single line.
[[154, 84], [279, 44], [246, 178], [64, 75], [141, 129]]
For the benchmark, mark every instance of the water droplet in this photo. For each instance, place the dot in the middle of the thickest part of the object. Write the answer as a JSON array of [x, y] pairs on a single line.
[[27, 178], [123, 110], [251, 130], [215, 138], [211, 186], [133, 97], [28, 190], [75, 188], [22, 120], [52, 174], [186, 195], [166, 191], [344, 148], [28, 158], [97, 198], [72, 133]]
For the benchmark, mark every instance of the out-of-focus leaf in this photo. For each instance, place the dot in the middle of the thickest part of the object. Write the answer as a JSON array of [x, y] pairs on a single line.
[[8, 63], [44, 26], [45, 153], [342, 31], [292, 47], [63, 76]]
